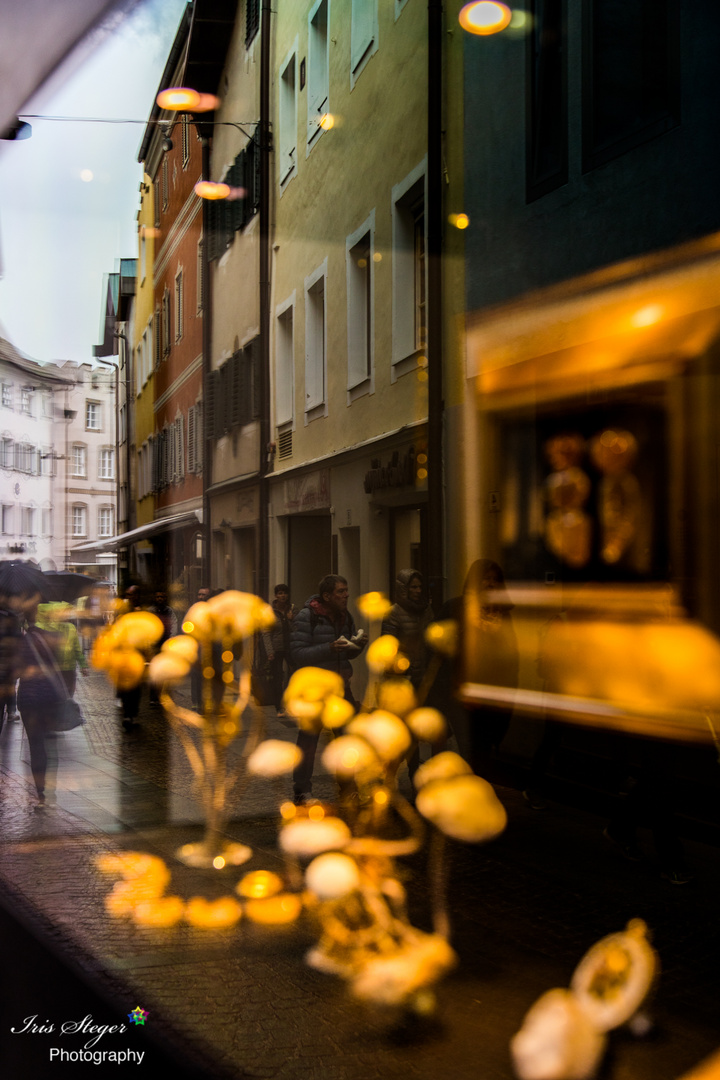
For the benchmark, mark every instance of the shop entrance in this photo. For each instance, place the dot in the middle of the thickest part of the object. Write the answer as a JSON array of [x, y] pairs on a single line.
[[309, 554], [408, 542]]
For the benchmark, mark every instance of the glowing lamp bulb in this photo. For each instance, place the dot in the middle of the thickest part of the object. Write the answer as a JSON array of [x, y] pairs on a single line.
[[178, 99], [206, 189], [485, 17]]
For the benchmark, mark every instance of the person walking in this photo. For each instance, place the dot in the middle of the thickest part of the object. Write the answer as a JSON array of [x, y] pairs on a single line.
[[322, 636], [167, 616], [40, 694], [277, 644], [53, 618]]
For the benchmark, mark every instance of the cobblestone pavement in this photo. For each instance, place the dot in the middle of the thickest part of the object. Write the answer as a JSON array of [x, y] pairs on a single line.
[[242, 1002]]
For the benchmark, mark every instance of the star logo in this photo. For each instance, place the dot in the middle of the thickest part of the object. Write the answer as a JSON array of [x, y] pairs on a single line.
[[138, 1016]]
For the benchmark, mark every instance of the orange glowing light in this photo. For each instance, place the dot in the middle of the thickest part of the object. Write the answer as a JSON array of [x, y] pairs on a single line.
[[227, 656], [380, 797], [208, 673], [647, 315], [327, 121], [485, 17], [219, 862], [178, 98], [188, 627], [259, 884], [460, 221], [275, 910], [206, 189], [288, 811], [316, 813], [227, 676]]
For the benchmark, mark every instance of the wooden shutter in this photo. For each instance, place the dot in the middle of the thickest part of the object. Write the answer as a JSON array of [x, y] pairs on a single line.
[[191, 439]]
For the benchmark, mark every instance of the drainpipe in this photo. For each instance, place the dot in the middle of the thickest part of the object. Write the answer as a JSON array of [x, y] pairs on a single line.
[[436, 514], [263, 584]]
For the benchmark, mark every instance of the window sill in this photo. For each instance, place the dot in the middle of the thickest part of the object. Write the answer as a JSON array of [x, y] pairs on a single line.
[[406, 364], [316, 412], [365, 386]]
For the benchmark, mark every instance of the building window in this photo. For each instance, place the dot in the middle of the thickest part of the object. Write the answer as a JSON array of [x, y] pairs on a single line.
[[106, 521], [47, 404], [252, 20], [194, 438], [179, 306], [92, 415], [359, 260], [631, 84], [317, 69], [7, 395], [25, 458], [185, 139], [166, 327], [26, 400], [7, 519], [363, 35], [315, 339], [547, 141], [28, 521], [79, 461], [157, 337], [7, 453], [143, 253], [200, 275], [409, 268], [79, 520], [284, 364], [287, 119], [106, 464], [165, 184], [47, 461]]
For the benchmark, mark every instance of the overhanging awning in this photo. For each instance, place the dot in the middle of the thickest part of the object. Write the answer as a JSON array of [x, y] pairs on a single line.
[[143, 532]]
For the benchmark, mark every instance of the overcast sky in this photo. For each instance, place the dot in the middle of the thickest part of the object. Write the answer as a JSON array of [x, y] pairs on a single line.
[[59, 233]]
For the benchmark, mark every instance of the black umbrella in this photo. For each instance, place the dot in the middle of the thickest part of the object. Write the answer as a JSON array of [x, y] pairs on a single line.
[[25, 579], [68, 586]]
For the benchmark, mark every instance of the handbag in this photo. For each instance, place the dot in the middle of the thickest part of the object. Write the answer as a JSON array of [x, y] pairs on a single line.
[[68, 714]]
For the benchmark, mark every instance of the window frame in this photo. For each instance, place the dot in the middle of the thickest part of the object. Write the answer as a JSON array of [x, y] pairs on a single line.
[[285, 359], [109, 510], [106, 474], [316, 328], [95, 405], [287, 120], [360, 311], [407, 347], [318, 73], [360, 53], [74, 474], [82, 520]]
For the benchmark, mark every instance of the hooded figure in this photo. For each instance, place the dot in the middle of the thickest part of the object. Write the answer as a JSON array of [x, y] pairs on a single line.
[[407, 620]]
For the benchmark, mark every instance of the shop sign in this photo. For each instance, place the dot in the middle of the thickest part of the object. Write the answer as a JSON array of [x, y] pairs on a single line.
[[308, 492], [399, 472]]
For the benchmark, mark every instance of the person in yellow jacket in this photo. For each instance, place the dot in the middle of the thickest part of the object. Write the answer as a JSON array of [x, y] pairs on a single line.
[[54, 618]]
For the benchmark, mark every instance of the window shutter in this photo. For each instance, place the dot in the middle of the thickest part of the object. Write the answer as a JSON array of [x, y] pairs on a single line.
[[180, 431], [361, 31], [191, 439]]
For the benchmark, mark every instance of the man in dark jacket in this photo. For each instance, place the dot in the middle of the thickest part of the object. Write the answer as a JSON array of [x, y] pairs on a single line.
[[322, 636]]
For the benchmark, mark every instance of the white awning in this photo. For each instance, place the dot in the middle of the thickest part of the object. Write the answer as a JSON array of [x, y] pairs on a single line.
[[143, 532]]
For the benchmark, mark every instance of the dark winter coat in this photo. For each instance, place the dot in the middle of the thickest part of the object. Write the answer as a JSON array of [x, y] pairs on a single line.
[[313, 631], [408, 622]]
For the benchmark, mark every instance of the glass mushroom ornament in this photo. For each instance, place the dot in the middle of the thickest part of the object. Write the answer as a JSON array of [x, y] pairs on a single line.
[[217, 634], [352, 880]]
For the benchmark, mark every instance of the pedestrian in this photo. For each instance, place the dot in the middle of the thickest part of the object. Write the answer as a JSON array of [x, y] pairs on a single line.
[[407, 620], [196, 674], [323, 635], [277, 644], [10, 641], [167, 616], [129, 700], [54, 619], [40, 694]]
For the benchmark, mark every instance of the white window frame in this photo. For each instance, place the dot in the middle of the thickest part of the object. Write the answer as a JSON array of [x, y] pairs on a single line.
[[97, 406], [26, 400], [285, 362], [185, 139], [8, 396], [105, 473], [318, 70], [316, 344], [166, 322], [287, 118], [361, 311], [106, 513], [47, 521], [364, 36], [7, 452], [27, 521], [406, 350], [7, 523], [82, 458], [78, 520]]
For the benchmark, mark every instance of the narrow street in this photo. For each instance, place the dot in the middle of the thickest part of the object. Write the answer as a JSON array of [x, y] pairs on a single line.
[[242, 1003]]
